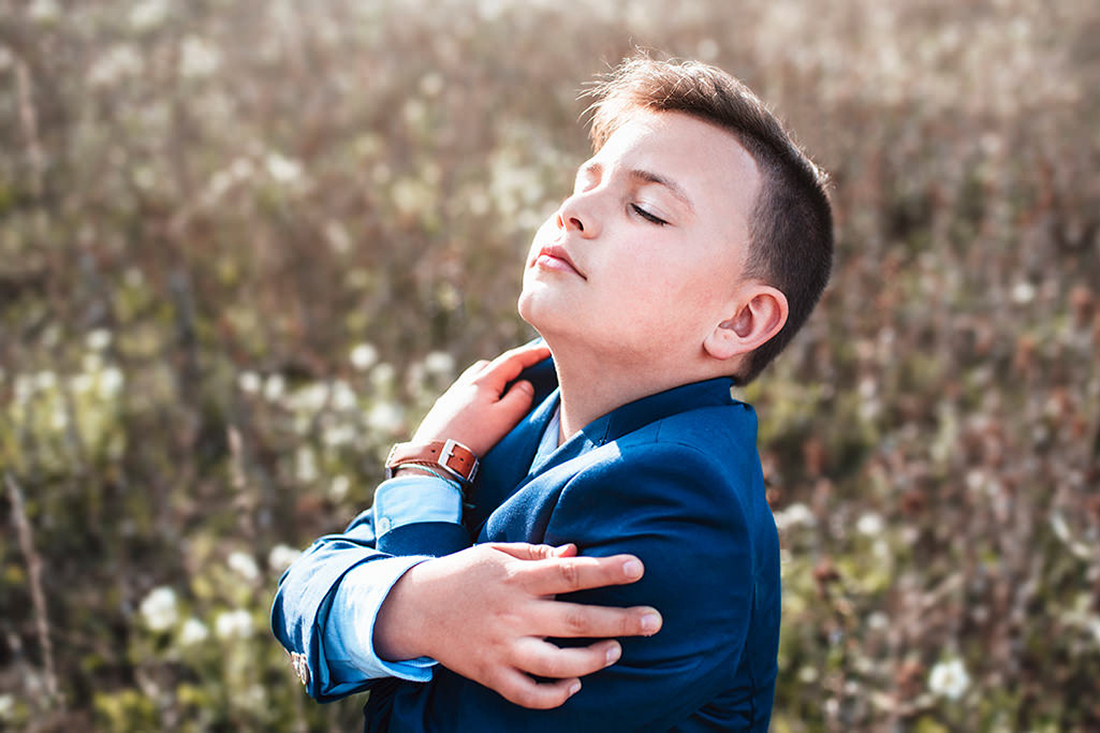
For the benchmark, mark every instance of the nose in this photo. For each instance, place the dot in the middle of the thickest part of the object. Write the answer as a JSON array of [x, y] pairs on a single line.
[[577, 214]]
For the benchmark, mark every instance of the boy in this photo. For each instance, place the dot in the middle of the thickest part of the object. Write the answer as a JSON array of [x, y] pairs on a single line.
[[696, 242]]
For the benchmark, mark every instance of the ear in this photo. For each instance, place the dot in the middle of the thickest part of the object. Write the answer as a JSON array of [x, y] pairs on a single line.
[[759, 314]]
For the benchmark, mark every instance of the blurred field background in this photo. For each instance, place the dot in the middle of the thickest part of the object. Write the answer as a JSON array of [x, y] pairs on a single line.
[[244, 244]]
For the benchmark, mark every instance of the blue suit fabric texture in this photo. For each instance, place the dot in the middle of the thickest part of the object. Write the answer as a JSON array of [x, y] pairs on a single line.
[[673, 478]]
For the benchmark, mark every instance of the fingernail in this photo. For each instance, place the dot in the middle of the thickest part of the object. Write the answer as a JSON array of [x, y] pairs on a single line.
[[650, 622], [573, 688], [632, 568], [613, 653]]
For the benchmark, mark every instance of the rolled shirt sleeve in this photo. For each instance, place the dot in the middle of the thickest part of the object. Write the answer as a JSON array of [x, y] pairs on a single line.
[[349, 631]]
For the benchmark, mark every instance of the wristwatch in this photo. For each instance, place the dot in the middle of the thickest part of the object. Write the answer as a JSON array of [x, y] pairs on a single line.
[[454, 458]]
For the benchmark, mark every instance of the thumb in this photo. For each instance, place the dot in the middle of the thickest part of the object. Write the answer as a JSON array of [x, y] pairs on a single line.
[[517, 400], [525, 551]]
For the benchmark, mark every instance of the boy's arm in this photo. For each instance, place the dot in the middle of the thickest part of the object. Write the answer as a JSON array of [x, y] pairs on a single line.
[[303, 608], [674, 509], [327, 604]]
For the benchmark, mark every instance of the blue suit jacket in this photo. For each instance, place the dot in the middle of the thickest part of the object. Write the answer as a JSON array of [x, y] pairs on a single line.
[[673, 478]]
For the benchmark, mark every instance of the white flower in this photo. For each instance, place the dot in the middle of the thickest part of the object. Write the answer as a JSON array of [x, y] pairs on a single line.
[[59, 418], [241, 169], [794, 515], [119, 62], [385, 417], [110, 382], [98, 340], [159, 609], [878, 621], [1023, 292], [306, 465], [243, 564], [82, 383], [338, 237], [249, 382], [310, 398], [431, 84], [24, 388], [45, 380], [281, 557], [343, 396], [335, 436], [439, 363], [7, 707], [44, 11], [274, 387], [91, 362], [870, 524], [949, 679], [233, 624], [283, 169], [383, 375], [193, 632], [198, 57], [148, 14], [707, 49], [340, 487], [364, 356]]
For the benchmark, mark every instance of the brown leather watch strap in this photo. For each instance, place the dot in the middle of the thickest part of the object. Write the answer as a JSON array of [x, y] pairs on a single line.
[[453, 457]]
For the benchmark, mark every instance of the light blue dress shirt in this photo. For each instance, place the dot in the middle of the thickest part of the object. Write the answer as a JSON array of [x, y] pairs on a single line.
[[349, 632]]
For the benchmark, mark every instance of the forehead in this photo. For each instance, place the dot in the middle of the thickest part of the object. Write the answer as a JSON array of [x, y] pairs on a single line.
[[707, 162]]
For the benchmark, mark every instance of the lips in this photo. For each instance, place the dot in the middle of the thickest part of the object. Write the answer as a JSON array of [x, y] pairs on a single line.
[[554, 257]]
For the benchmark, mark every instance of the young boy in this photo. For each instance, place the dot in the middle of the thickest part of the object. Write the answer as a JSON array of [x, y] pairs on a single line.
[[695, 243]]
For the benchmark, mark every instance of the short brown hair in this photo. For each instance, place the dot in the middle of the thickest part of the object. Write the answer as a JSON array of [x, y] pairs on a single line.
[[790, 226]]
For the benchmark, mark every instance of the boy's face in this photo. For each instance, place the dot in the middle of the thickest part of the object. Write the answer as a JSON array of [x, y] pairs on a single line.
[[644, 258]]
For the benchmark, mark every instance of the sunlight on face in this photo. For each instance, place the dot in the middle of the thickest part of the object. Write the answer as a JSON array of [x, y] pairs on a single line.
[[642, 258]]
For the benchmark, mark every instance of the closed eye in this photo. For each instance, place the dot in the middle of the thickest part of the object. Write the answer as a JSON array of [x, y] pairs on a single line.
[[648, 216]]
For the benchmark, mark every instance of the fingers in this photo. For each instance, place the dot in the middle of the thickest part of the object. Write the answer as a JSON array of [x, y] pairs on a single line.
[[508, 365], [472, 371], [571, 620], [517, 687], [538, 657], [566, 574]]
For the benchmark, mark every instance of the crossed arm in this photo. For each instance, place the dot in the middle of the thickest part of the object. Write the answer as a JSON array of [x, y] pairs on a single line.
[[498, 640]]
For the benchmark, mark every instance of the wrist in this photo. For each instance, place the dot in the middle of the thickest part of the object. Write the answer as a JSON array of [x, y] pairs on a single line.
[[418, 471], [449, 457], [398, 629]]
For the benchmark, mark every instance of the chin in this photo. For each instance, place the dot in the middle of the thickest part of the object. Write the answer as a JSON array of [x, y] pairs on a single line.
[[540, 316]]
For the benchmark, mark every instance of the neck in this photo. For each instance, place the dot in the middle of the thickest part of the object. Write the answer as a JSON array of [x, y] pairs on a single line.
[[593, 383]]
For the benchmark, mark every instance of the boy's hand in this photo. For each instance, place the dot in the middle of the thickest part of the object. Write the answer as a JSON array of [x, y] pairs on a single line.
[[475, 410], [485, 613]]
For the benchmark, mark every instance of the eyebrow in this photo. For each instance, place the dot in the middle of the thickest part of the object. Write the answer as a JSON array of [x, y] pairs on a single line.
[[648, 177]]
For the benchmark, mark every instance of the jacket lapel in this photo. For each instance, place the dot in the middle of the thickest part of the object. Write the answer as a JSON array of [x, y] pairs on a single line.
[[508, 466], [505, 466]]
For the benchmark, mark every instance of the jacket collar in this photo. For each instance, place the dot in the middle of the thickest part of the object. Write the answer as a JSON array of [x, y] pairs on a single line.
[[509, 465], [634, 415]]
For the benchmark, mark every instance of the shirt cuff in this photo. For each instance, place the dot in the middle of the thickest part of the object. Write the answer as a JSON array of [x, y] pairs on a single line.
[[349, 631], [411, 499]]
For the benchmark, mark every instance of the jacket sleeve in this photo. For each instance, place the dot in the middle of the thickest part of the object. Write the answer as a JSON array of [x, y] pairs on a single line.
[[336, 662], [684, 515]]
